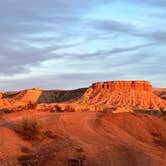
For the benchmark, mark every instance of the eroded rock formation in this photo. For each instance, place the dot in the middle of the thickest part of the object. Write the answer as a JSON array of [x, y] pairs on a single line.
[[21, 99], [131, 94], [99, 96], [123, 85]]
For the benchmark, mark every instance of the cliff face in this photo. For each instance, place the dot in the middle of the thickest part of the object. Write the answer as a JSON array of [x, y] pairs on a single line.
[[131, 94], [1, 95], [123, 85]]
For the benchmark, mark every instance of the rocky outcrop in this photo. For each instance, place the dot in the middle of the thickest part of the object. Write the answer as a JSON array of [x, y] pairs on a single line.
[[20, 99], [1, 95], [100, 96], [130, 94], [123, 85]]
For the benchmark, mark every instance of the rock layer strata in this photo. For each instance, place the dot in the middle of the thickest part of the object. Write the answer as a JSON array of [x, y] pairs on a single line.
[[123, 85]]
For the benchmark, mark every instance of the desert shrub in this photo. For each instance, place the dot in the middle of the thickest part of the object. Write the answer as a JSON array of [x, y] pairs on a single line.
[[28, 127], [31, 105], [69, 108], [76, 161], [50, 134], [27, 159], [20, 108], [56, 109], [7, 111], [53, 110], [25, 149], [158, 139], [84, 110]]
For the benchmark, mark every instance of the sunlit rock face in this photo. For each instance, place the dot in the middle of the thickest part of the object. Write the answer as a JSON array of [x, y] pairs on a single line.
[[123, 85], [129, 94], [1, 95]]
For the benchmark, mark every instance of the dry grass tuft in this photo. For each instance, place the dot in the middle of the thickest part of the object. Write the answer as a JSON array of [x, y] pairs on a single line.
[[28, 127]]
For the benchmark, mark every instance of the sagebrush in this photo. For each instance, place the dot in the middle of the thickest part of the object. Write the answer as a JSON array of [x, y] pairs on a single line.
[[28, 127]]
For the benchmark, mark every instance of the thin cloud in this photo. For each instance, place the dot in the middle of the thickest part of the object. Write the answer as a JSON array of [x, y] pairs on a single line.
[[59, 34]]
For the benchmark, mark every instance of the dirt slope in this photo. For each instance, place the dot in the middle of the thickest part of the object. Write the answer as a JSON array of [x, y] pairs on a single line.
[[51, 96], [136, 99], [13, 100], [21, 98], [90, 138]]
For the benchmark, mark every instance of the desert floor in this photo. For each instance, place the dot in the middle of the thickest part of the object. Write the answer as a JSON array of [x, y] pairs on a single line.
[[85, 138]]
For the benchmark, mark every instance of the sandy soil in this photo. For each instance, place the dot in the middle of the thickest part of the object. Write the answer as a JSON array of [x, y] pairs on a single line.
[[86, 139]]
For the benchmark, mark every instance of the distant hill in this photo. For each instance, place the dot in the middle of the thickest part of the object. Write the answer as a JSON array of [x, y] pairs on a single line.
[[135, 95]]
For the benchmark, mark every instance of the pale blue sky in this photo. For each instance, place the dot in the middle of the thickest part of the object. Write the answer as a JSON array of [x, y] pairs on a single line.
[[61, 44]]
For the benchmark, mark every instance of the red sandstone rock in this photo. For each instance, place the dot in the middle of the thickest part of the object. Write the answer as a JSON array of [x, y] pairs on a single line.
[[131, 94], [13, 100], [1, 95], [123, 85]]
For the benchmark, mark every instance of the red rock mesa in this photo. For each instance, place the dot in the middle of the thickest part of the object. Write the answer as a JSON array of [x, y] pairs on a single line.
[[123, 85], [130, 94]]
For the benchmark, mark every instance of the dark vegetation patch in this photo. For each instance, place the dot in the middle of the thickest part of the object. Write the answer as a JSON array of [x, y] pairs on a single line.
[[158, 139], [28, 128]]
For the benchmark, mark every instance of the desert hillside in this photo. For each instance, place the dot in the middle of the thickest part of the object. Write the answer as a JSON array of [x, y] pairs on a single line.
[[52, 96], [106, 124], [25, 98], [131, 94], [85, 139], [135, 95]]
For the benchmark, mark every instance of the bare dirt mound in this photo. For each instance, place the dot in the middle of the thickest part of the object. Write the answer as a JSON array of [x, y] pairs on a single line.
[[143, 131], [144, 128], [132, 94]]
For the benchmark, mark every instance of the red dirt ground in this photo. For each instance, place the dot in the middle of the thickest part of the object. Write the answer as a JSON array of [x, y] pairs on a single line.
[[86, 139]]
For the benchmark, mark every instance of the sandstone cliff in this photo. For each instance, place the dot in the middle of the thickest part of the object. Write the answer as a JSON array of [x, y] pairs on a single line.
[[123, 85], [131, 94], [99, 96]]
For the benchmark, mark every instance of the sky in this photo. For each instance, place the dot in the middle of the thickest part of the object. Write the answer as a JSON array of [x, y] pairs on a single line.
[[62, 44]]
